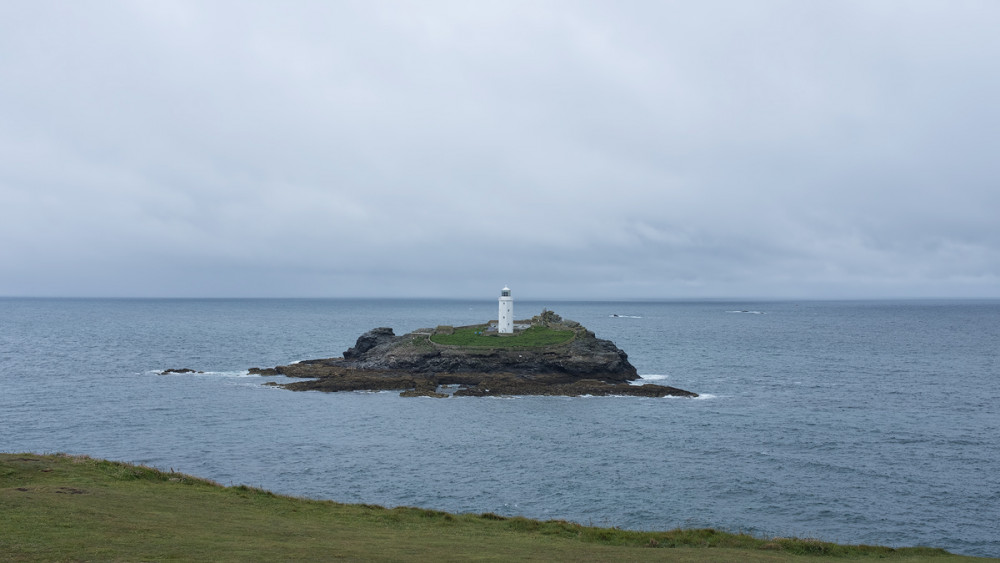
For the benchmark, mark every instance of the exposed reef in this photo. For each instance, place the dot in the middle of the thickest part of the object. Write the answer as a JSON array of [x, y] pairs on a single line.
[[548, 356], [179, 370]]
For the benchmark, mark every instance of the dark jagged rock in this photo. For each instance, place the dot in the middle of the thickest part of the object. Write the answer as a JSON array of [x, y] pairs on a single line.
[[414, 363], [181, 370], [501, 385], [369, 340]]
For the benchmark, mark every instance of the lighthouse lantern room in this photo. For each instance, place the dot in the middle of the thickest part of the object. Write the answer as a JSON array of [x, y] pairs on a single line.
[[505, 323]]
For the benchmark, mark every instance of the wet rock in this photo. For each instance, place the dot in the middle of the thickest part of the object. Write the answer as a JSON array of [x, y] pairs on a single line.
[[180, 370], [508, 386]]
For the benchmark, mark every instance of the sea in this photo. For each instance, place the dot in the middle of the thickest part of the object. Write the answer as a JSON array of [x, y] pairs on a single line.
[[861, 422]]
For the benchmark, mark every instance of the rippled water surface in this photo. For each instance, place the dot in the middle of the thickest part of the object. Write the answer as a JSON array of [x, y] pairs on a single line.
[[859, 422]]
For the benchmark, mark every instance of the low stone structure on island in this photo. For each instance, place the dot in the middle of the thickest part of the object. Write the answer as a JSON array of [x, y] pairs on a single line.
[[544, 355]]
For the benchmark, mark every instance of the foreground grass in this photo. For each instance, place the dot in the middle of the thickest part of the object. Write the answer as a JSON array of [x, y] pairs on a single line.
[[529, 338], [76, 508]]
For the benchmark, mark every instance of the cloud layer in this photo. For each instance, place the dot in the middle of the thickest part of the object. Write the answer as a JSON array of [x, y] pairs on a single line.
[[568, 149]]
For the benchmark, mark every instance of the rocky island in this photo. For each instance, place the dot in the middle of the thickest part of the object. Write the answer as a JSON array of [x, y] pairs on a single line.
[[545, 355]]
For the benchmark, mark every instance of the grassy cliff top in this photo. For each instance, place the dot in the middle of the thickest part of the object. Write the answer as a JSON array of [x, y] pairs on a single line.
[[60, 508], [545, 329], [532, 337]]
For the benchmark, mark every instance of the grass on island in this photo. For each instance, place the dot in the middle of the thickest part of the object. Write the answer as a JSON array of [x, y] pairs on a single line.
[[59, 507], [532, 337]]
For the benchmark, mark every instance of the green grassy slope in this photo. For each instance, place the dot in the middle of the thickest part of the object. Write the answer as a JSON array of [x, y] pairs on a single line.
[[61, 508], [528, 338]]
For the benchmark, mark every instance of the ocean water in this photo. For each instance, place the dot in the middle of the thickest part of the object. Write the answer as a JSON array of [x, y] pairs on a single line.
[[860, 422]]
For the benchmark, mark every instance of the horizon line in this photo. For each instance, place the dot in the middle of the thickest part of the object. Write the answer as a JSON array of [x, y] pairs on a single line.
[[526, 299]]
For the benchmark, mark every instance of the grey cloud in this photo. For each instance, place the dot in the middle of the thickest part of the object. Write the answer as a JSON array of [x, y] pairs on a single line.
[[592, 150]]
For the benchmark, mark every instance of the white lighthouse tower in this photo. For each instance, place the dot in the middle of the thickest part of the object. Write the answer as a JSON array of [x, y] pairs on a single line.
[[505, 322]]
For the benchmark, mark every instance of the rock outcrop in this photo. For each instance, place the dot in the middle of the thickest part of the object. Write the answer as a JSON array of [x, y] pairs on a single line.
[[179, 370], [419, 365]]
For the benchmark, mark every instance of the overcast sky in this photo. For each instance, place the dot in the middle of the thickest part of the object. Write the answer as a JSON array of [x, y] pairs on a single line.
[[593, 150]]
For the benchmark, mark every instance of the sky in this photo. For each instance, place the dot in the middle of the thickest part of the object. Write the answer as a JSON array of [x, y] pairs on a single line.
[[582, 150]]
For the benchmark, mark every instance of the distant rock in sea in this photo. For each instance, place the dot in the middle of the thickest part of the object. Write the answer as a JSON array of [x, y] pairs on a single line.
[[179, 370]]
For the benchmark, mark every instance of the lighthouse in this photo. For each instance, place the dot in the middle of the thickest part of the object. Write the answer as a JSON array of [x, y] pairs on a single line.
[[505, 322]]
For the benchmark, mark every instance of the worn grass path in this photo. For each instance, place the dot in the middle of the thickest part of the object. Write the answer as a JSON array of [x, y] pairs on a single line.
[[62, 508]]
